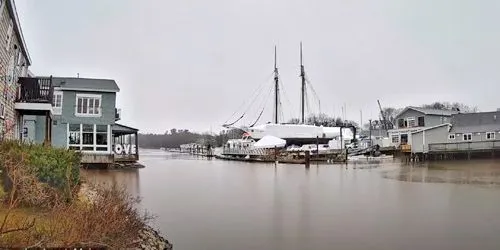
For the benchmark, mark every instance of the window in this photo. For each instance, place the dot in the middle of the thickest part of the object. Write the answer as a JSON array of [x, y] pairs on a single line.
[[467, 137], [451, 136], [395, 139], [411, 122], [421, 121], [490, 135], [10, 70], [58, 101], [88, 105], [8, 38], [401, 123], [88, 137], [2, 111]]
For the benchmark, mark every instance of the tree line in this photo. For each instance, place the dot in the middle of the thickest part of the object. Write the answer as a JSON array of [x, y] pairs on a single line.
[[176, 137]]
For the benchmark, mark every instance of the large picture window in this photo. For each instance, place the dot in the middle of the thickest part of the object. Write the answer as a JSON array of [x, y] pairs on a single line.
[[88, 105], [88, 137]]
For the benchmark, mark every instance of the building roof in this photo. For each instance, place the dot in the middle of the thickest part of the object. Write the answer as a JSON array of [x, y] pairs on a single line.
[[433, 127], [118, 129], [476, 122], [427, 111], [85, 84], [11, 5]]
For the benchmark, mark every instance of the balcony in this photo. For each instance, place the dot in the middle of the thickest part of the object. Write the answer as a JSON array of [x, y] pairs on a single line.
[[35, 95], [118, 114]]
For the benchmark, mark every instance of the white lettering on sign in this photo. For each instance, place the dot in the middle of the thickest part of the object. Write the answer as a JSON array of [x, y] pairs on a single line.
[[125, 149]]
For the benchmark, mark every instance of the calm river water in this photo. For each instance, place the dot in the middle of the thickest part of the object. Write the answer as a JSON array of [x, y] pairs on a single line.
[[222, 205]]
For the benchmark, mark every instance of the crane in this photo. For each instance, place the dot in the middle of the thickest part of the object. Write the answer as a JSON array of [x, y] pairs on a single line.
[[387, 124]]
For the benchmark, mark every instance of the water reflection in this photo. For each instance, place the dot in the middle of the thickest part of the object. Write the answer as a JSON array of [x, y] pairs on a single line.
[[479, 172], [128, 179], [223, 205]]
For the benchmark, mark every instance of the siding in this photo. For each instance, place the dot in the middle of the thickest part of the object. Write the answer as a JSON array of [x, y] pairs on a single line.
[[8, 92], [59, 133], [436, 135], [430, 120]]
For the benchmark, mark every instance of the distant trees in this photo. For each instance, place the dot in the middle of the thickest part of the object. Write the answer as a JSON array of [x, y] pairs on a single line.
[[464, 108], [173, 138], [323, 119]]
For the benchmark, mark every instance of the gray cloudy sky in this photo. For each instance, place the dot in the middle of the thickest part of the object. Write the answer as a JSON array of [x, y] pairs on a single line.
[[191, 63]]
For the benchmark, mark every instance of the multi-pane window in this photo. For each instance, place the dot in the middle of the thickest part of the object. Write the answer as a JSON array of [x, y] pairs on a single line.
[[58, 101], [88, 105], [88, 137], [395, 139], [467, 137], [451, 136], [490, 135], [411, 122]]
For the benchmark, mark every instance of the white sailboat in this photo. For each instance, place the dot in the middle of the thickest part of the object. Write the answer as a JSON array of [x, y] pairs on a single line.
[[294, 134]]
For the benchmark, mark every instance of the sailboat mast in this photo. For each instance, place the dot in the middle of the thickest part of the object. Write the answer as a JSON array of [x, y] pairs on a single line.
[[303, 76], [276, 89]]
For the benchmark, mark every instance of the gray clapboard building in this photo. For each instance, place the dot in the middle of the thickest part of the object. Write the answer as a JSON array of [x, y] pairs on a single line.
[[414, 119], [466, 132]]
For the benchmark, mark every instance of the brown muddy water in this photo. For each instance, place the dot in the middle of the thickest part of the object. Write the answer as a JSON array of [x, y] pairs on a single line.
[[223, 205]]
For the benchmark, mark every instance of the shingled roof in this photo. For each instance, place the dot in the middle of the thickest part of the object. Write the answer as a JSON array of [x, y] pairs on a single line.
[[476, 122], [427, 111], [85, 84]]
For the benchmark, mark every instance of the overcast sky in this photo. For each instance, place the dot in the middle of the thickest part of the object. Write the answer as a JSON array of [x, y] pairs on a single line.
[[191, 63]]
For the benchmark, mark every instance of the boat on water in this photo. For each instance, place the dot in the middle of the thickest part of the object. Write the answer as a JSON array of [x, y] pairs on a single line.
[[294, 134]]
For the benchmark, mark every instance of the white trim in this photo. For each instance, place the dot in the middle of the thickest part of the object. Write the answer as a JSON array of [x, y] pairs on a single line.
[[490, 133], [429, 128], [450, 135], [88, 97], [58, 110], [94, 144], [10, 31], [90, 90], [468, 135], [67, 135], [33, 106]]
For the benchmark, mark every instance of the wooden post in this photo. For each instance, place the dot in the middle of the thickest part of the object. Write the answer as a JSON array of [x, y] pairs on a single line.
[[307, 158], [136, 147]]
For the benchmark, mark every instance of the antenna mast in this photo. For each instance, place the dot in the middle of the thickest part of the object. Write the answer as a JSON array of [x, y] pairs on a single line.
[[303, 76], [276, 88]]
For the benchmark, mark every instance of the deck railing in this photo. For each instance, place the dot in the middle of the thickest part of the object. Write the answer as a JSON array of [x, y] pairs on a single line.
[[35, 90], [464, 146], [247, 151]]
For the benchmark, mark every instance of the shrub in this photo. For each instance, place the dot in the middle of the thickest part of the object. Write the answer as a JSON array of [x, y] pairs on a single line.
[[27, 167]]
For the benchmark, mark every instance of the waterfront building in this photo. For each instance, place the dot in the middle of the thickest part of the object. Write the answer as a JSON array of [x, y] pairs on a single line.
[[466, 132], [14, 63], [78, 114], [413, 119]]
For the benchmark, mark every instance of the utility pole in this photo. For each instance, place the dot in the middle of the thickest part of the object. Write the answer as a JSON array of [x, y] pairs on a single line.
[[361, 118], [303, 76], [276, 88]]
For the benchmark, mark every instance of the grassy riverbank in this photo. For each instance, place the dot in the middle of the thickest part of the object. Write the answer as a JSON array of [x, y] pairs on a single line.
[[43, 205]]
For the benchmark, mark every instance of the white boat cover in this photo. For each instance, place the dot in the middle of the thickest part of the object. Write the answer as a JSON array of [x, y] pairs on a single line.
[[270, 141]]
